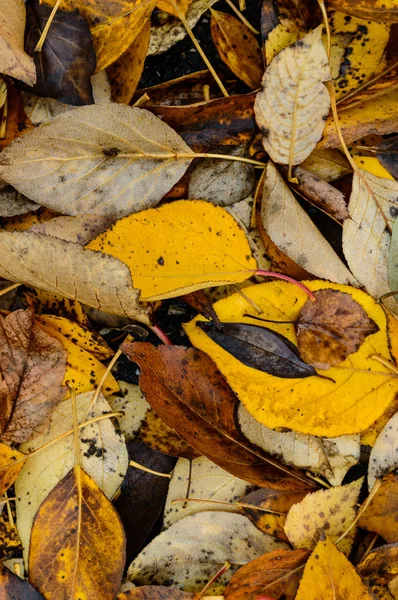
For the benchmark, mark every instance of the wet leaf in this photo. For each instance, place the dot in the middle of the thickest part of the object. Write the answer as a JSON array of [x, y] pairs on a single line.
[[275, 574], [126, 163], [291, 108], [387, 155], [380, 514], [379, 570], [237, 47], [12, 586], [14, 60], [393, 258], [376, 10], [78, 509], [67, 60], [191, 551], [259, 348], [331, 328], [9, 475], [384, 455], [180, 261]]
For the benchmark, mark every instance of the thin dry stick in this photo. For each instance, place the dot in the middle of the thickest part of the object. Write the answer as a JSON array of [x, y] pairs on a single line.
[[242, 17], [364, 506], [9, 288], [142, 99], [43, 36], [371, 545], [249, 300], [327, 26], [136, 465], [237, 504], [318, 480], [388, 365], [226, 566]]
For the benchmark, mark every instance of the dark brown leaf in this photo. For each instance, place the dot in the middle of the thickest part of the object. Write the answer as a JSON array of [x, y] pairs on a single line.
[[331, 328], [155, 592], [200, 302], [13, 587], [387, 153], [67, 60], [379, 568]]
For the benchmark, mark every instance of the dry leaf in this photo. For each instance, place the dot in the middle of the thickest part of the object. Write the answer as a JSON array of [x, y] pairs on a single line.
[[192, 550], [13, 203], [174, 7], [12, 586], [376, 10], [379, 570], [14, 61], [384, 455], [328, 165], [87, 556], [9, 475], [293, 104], [180, 261], [380, 514], [387, 155], [111, 159], [293, 232], [79, 230], [134, 407], [310, 405], [157, 435]]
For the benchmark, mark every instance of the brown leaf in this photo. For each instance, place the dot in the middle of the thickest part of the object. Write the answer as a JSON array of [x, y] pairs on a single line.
[[157, 435], [87, 556], [381, 514], [17, 121], [7, 476], [12, 586], [187, 89], [33, 366], [379, 568], [13, 60], [331, 328], [156, 592], [275, 574], [201, 303], [375, 10], [188, 392]]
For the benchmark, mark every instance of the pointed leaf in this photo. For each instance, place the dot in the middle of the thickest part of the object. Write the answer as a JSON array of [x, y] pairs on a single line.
[[14, 61]]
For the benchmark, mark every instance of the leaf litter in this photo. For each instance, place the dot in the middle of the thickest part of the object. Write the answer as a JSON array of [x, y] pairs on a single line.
[[172, 426]]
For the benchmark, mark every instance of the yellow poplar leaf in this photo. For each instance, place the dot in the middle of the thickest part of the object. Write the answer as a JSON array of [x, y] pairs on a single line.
[[376, 10], [331, 510], [237, 47], [13, 59], [372, 165], [114, 25], [179, 248], [83, 370], [310, 405], [328, 575], [293, 104], [169, 6]]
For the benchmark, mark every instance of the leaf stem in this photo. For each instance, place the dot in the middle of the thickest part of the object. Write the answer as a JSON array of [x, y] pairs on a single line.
[[237, 504], [286, 278], [226, 566], [102, 381], [9, 288], [43, 36], [136, 465], [161, 335], [327, 26], [242, 17]]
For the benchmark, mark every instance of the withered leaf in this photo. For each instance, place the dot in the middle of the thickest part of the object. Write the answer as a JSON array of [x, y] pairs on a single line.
[[387, 153], [67, 60], [156, 592], [12, 586], [381, 514], [13, 60], [260, 348], [331, 328], [7, 476], [379, 569], [187, 391], [33, 366]]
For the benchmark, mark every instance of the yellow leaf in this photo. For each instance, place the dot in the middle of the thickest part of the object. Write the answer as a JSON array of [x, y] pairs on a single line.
[[372, 165], [169, 6], [178, 248], [310, 405], [376, 10], [8, 476], [328, 575], [283, 35], [83, 370], [54, 304]]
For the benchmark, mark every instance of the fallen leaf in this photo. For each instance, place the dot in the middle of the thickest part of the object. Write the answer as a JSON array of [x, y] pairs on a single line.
[[9, 475], [180, 261], [384, 456], [155, 592], [293, 232], [332, 511], [380, 514], [192, 550], [384, 83], [33, 366], [157, 435], [386, 153], [125, 73], [174, 7], [67, 60], [12, 586], [276, 403], [276, 573], [14, 61], [90, 277], [329, 575], [393, 257], [259, 348], [13, 203], [10, 544], [103, 451], [328, 164], [184, 90], [377, 10], [201, 479], [331, 328], [330, 457], [127, 161], [237, 47], [291, 108], [379, 570], [372, 165], [53, 304], [131, 402], [63, 564], [79, 230]]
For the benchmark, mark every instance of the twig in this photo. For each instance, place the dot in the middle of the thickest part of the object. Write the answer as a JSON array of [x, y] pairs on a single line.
[[136, 465], [43, 36]]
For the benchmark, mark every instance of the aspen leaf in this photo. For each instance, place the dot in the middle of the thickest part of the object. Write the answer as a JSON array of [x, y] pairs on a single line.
[[291, 108], [14, 61], [86, 558], [9, 475], [180, 261], [193, 549], [375, 10], [329, 575], [384, 455], [332, 511], [310, 405], [111, 160]]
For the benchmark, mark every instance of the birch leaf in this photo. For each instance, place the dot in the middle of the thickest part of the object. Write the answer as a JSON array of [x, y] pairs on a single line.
[[293, 232], [366, 241], [13, 59], [107, 159], [292, 107], [384, 455]]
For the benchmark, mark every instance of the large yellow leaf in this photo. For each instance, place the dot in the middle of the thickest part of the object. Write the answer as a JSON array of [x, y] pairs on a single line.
[[328, 575], [178, 248], [310, 405], [291, 108], [13, 59]]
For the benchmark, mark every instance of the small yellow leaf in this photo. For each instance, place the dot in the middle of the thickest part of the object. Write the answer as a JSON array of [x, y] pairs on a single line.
[[372, 165], [310, 405], [328, 575], [178, 248], [169, 6]]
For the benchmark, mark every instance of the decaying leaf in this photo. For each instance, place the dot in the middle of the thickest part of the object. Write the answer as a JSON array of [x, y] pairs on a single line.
[[180, 261], [276, 574], [201, 479], [293, 232], [384, 456], [65, 564], [387, 155], [111, 159], [9, 475], [157, 435], [14, 61], [376, 10], [13, 203], [309, 405], [381, 514], [379, 570], [192, 550], [331, 328], [328, 165], [12, 586], [291, 108]]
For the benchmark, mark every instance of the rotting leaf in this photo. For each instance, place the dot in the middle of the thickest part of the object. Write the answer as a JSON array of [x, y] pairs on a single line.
[[379, 570], [376, 10], [67, 60], [12, 586], [331, 328], [13, 60], [387, 154], [259, 348], [381, 514]]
